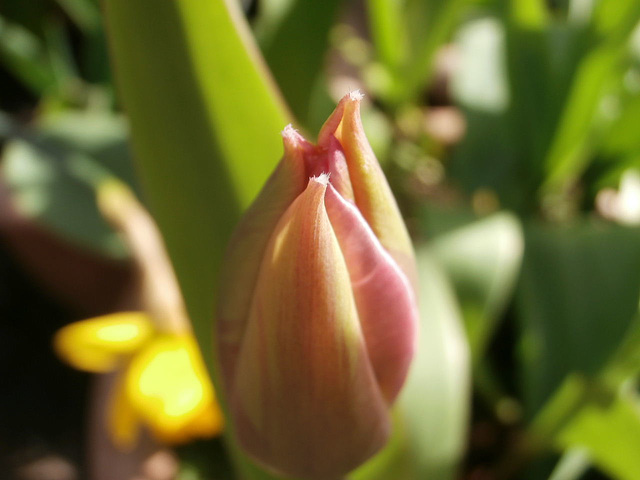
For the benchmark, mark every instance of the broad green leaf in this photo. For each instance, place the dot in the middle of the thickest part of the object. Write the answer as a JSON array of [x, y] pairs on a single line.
[[536, 94], [483, 260], [206, 122], [433, 409], [205, 125], [577, 297], [488, 157], [52, 171], [625, 364]]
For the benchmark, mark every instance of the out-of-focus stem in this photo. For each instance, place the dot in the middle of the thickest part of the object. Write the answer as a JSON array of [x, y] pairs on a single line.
[[158, 284]]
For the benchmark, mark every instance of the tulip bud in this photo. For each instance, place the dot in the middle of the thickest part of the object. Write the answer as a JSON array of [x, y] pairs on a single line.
[[317, 316]]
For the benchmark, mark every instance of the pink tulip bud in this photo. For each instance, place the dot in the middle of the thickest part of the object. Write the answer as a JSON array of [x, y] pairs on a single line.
[[317, 316]]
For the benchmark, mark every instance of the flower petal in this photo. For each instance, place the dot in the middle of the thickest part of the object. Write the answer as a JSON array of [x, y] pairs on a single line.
[[372, 194], [98, 344], [169, 388], [305, 400], [384, 297], [122, 422], [249, 241]]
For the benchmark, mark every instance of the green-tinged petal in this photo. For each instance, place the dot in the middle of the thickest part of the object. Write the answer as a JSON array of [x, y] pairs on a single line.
[[99, 344], [372, 193], [385, 302], [305, 399], [249, 242]]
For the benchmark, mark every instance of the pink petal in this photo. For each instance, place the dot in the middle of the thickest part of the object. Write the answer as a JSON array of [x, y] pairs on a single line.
[[372, 194], [305, 400], [384, 298], [249, 242]]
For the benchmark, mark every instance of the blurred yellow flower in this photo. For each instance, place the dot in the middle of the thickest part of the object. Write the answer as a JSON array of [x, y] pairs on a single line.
[[162, 382]]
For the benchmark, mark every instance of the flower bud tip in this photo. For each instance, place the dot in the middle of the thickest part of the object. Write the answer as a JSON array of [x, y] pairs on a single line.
[[291, 134], [323, 178], [356, 95]]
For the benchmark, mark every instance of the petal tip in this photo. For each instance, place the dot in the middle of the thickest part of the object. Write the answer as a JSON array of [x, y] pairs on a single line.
[[322, 179], [292, 137], [356, 95], [294, 143]]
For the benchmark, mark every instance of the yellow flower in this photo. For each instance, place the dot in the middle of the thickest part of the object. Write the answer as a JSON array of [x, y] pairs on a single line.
[[162, 382]]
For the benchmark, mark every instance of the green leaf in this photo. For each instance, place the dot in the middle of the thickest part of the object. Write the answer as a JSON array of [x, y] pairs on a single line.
[[436, 399], [622, 136], [206, 124], [52, 172], [386, 23], [488, 155], [84, 13], [595, 418], [567, 156], [480, 83], [611, 27], [294, 36], [430, 24], [610, 432], [24, 55], [576, 300], [573, 464], [483, 260]]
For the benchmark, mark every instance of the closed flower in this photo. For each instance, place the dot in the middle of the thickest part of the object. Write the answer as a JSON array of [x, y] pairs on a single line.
[[317, 315]]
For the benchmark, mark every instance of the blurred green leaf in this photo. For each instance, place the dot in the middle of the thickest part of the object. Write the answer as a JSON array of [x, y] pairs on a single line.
[[294, 36], [558, 77], [577, 298], [595, 418], [24, 54], [430, 24], [610, 432], [483, 260], [84, 13], [566, 157], [529, 14], [433, 408], [487, 156], [388, 31], [536, 93], [480, 83], [436, 399], [61, 58], [622, 136], [573, 464], [52, 172]]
